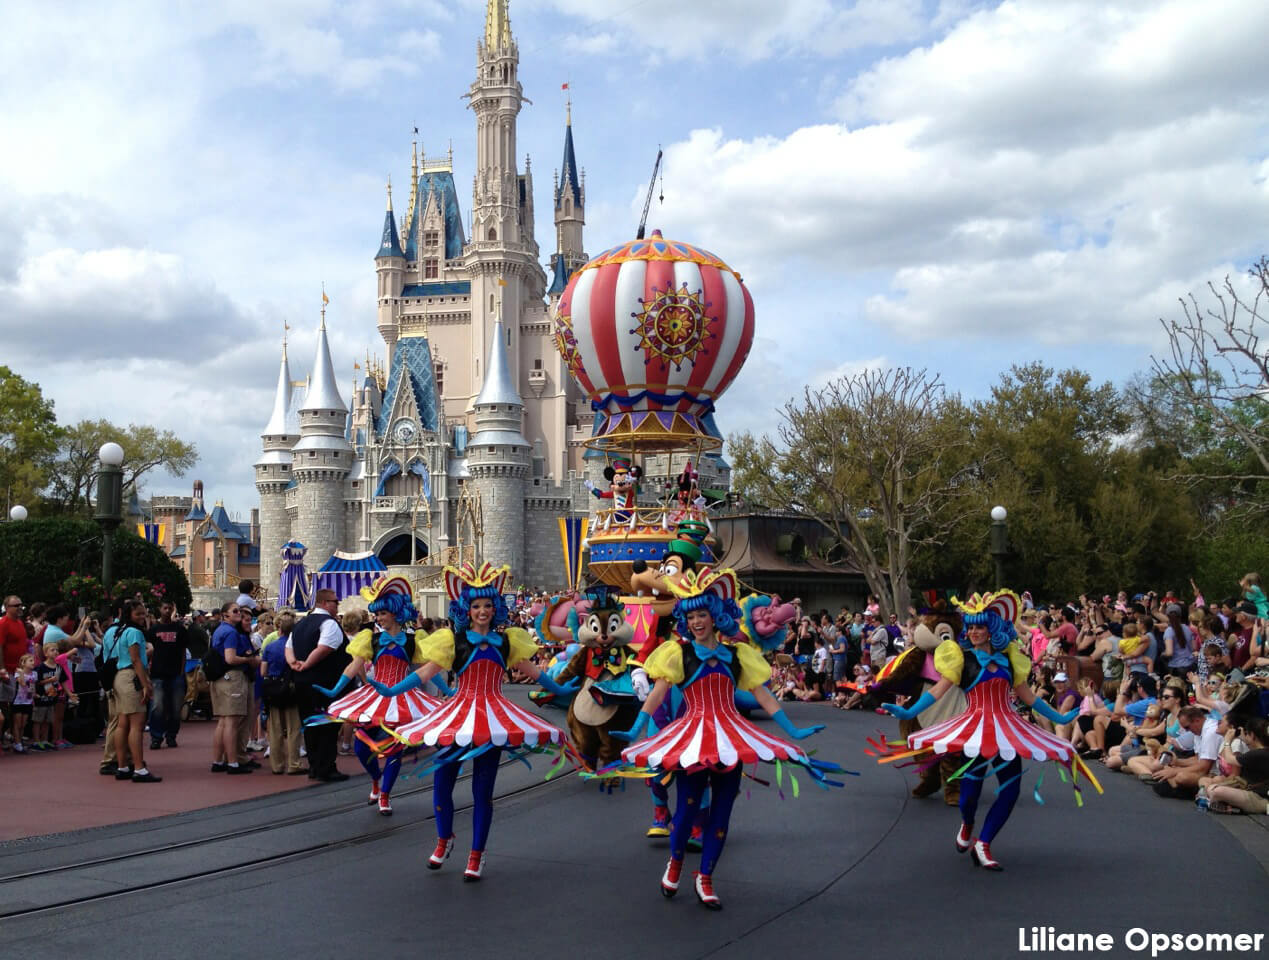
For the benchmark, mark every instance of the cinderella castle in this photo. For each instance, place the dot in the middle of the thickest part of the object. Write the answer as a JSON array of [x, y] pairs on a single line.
[[469, 441]]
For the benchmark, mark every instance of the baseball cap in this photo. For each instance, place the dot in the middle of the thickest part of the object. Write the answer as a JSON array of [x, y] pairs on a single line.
[[1059, 677]]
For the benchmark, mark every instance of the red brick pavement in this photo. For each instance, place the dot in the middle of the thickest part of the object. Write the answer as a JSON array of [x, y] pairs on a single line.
[[61, 790]]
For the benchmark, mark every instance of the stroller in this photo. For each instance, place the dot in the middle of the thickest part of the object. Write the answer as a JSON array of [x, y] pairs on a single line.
[[197, 692]]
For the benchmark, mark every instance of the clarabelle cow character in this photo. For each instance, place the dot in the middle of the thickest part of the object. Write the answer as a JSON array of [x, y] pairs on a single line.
[[623, 490]]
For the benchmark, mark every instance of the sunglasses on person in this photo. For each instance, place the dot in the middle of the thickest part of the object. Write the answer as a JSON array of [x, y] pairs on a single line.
[[1168, 696]]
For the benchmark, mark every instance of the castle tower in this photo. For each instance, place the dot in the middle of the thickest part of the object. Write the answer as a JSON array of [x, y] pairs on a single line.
[[570, 215], [498, 459], [321, 459], [502, 246], [390, 269], [273, 474]]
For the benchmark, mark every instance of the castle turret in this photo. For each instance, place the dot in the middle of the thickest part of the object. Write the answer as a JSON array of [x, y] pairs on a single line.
[[498, 459], [390, 268], [321, 459], [570, 214], [273, 475]]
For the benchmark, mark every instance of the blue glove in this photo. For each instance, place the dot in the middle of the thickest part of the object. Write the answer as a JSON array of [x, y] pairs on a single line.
[[550, 686], [344, 680], [797, 733], [1045, 709], [637, 732], [445, 689], [907, 713], [412, 682]]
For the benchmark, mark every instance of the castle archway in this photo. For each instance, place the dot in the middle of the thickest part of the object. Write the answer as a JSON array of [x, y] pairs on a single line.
[[394, 548]]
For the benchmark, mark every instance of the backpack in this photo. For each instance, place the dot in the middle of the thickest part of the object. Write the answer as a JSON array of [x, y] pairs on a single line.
[[214, 665], [107, 663]]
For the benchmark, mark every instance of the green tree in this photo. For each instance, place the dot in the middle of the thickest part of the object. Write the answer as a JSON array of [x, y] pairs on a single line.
[[74, 472], [881, 459], [38, 555], [29, 436]]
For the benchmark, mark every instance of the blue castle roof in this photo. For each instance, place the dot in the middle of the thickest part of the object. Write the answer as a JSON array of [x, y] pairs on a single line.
[[389, 246], [560, 279], [440, 182], [568, 172], [411, 369], [441, 288]]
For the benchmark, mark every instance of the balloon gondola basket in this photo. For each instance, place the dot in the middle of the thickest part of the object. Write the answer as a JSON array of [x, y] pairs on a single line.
[[647, 431]]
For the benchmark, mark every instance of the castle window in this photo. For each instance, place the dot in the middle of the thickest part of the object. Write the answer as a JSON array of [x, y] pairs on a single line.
[[430, 270], [431, 239], [537, 363], [438, 372], [493, 234]]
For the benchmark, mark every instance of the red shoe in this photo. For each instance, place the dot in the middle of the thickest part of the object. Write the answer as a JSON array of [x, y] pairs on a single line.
[[385, 805], [475, 865], [705, 892], [964, 837], [696, 839], [374, 793], [670, 879], [443, 849], [982, 856], [660, 822]]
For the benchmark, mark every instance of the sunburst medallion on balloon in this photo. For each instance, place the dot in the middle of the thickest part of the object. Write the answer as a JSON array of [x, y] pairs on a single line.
[[673, 326], [566, 343]]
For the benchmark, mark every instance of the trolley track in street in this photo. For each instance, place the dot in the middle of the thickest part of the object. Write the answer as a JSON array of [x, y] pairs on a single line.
[[12, 907]]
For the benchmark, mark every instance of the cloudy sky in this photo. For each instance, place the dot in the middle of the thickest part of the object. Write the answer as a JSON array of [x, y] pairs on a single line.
[[952, 184]]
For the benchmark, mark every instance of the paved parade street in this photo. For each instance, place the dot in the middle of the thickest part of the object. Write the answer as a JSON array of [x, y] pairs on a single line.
[[308, 873]]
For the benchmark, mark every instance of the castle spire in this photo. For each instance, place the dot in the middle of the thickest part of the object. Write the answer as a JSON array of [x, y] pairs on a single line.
[[390, 244], [498, 388], [497, 25], [277, 425], [323, 393]]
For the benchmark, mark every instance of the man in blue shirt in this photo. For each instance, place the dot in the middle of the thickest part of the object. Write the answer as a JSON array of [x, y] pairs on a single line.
[[1136, 696]]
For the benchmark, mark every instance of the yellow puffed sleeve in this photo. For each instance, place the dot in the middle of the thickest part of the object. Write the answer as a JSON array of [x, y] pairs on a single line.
[[1019, 662], [436, 648], [362, 645], [520, 645], [666, 663], [949, 660], [753, 671]]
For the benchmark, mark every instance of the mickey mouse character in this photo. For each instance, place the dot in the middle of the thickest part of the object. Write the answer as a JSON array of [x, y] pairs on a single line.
[[623, 488]]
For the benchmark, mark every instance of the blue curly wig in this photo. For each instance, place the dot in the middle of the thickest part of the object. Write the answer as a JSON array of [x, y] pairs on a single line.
[[397, 604], [460, 609], [726, 614], [1002, 632]]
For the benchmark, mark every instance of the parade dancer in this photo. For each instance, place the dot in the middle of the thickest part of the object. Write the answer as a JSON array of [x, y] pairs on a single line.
[[709, 744], [392, 652], [478, 722], [987, 663]]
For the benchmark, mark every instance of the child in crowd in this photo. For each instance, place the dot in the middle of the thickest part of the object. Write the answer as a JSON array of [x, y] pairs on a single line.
[[1252, 592], [821, 664], [23, 699], [48, 690], [1090, 703]]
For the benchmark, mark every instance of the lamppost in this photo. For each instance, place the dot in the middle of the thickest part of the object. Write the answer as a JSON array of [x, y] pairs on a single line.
[[18, 513], [999, 542], [109, 506]]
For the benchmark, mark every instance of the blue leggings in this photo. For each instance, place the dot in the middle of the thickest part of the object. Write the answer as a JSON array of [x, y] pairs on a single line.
[[723, 785], [484, 771], [391, 766], [1010, 779]]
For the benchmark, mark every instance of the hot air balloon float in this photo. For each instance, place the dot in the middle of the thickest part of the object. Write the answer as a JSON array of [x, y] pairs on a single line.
[[654, 331]]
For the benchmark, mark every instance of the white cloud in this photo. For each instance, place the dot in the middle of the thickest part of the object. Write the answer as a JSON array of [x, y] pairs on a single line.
[[750, 29], [1049, 172]]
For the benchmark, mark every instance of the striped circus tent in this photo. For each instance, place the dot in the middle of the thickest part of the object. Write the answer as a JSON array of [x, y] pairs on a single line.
[[347, 573]]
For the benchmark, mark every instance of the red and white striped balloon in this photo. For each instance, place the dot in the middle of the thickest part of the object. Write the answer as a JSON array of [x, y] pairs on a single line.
[[655, 325]]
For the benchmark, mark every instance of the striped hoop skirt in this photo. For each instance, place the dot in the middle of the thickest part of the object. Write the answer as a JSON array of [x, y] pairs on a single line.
[[367, 707], [990, 727], [478, 714], [711, 734]]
